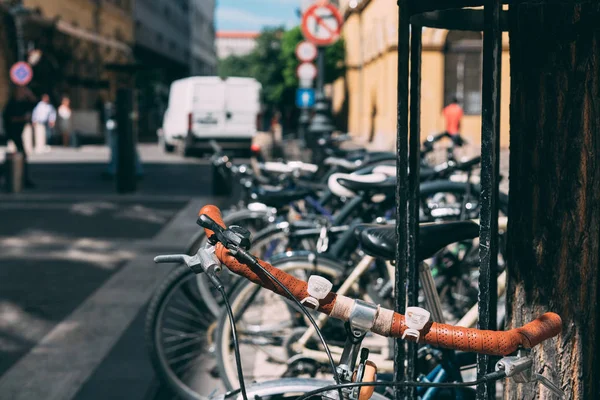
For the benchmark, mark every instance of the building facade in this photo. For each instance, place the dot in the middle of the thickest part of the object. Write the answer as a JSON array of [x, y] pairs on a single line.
[[203, 60], [173, 39], [235, 43], [163, 34], [451, 67], [80, 40]]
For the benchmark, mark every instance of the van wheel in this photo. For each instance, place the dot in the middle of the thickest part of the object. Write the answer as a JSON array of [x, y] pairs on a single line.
[[169, 148]]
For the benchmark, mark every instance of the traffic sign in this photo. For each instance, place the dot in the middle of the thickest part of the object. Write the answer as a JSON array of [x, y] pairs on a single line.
[[322, 24], [305, 98], [306, 83], [306, 51], [306, 71], [21, 73]]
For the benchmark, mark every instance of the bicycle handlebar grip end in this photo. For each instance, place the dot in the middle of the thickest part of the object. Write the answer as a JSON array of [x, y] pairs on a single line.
[[214, 213], [542, 328]]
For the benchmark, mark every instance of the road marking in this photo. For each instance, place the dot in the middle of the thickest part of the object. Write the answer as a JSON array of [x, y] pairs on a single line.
[[57, 367]]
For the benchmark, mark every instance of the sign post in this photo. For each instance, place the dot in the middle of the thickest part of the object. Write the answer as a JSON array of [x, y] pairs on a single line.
[[322, 26]]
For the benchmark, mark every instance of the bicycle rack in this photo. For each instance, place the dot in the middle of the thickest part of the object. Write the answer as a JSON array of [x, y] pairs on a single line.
[[453, 15]]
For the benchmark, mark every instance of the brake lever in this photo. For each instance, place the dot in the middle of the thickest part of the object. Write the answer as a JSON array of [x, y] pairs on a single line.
[[519, 368], [205, 260], [232, 238]]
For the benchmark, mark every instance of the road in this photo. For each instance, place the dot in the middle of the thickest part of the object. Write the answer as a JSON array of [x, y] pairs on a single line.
[[76, 272]]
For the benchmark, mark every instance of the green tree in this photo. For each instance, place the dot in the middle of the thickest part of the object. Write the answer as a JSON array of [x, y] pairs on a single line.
[[235, 66], [334, 58], [273, 63]]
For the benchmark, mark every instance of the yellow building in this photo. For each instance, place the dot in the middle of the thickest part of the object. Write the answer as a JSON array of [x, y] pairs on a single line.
[[451, 67], [81, 43]]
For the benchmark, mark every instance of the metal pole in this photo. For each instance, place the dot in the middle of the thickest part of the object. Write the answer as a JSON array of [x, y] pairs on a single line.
[[413, 189], [321, 71], [490, 173], [402, 189], [303, 126], [125, 171], [321, 125]]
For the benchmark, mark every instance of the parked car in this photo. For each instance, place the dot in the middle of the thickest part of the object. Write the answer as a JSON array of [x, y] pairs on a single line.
[[202, 109]]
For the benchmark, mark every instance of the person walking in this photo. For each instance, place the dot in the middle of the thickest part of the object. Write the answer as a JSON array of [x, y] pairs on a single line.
[[44, 118], [16, 115], [453, 114], [277, 135], [63, 124]]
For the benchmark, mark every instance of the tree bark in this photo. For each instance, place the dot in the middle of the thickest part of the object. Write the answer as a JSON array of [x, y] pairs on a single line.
[[553, 235]]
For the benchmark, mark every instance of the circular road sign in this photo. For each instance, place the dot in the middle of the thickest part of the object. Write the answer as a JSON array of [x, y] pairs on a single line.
[[322, 24], [21, 73], [306, 71], [306, 51]]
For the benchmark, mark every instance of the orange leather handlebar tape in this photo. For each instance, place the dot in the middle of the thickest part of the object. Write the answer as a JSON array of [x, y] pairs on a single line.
[[296, 286], [215, 214], [498, 343]]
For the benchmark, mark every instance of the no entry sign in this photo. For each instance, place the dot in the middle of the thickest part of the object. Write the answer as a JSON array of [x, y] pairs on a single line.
[[306, 51], [306, 71], [322, 24], [21, 73]]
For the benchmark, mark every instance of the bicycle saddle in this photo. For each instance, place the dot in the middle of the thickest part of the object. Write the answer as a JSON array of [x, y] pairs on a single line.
[[280, 198], [380, 241], [348, 185]]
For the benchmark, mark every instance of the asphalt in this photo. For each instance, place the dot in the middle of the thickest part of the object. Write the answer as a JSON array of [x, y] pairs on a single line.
[[71, 243]]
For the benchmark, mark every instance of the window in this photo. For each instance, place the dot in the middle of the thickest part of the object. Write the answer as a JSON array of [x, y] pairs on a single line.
[[462, 70]]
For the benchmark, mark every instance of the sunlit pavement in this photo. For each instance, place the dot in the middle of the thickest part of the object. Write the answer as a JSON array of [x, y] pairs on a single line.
[[76, 272]]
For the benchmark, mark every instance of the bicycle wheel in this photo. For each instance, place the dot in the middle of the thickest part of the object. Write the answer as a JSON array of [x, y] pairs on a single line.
[[262, 342], [179, 329], [254, 221]]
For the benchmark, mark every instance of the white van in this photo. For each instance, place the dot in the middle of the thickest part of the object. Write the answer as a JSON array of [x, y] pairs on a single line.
[[208, 108]]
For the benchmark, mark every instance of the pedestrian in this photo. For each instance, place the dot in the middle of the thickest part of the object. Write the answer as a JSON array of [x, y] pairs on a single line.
[[277, 135], [64, 120], [453, 114], [44, 118], [16, 115]]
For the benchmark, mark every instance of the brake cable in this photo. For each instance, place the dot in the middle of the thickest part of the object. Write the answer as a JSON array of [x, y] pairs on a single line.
[[236, 239], [492, 376]]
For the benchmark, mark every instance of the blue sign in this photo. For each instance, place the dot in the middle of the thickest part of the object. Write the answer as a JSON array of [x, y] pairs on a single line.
[[305, 98]]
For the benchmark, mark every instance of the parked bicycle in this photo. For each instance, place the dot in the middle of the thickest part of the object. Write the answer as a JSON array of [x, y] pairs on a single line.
[[354, 376]]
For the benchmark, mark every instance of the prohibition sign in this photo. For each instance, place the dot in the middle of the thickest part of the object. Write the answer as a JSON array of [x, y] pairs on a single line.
[[306, 51], [322, 24], [306, 71], [21, 73]]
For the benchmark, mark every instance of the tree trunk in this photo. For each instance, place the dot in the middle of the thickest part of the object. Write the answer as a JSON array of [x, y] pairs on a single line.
[[553, 236]]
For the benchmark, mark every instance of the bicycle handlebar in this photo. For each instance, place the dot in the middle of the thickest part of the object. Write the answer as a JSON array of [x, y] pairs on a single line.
[[389, 323]]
